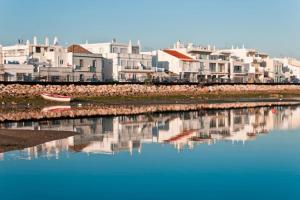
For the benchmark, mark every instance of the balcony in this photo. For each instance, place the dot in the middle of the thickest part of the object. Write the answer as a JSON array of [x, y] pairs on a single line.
[[78, 67], [136, 68], [92, 69]]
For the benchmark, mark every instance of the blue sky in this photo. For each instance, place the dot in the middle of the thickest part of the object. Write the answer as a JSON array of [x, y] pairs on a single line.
[[272, 26]]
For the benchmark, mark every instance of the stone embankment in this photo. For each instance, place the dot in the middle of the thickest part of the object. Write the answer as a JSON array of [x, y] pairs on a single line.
[[114, 110], [23, 90]]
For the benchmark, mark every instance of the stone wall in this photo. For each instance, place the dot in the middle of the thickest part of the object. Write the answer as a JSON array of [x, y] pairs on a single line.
[[18, 90]]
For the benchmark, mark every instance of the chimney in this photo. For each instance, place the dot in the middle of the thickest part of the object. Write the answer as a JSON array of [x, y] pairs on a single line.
[[130, 47], [34, 40], [55, 42], [47, 41], [139, 44], [1, 62]]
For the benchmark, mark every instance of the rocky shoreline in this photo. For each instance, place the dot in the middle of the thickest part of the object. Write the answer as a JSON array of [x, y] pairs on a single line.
[[113, 110], [26, 90]]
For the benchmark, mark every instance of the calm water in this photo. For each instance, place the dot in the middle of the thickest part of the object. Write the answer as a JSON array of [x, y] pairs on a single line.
[[231, 154]]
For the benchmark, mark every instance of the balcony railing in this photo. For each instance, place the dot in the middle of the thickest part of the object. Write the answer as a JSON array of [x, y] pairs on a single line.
[[92, 69]]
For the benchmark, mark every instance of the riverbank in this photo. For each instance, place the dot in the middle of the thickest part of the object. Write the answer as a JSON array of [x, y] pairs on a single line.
[[137, 90]]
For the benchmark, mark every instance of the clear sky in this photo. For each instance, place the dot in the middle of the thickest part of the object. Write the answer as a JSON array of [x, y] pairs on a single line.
[[272, 26]]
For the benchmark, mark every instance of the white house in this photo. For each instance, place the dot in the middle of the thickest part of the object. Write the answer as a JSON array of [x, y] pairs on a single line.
[[291, 69], [186, 67], [50, 55], [123, 62], [214, 65], [86, 65]]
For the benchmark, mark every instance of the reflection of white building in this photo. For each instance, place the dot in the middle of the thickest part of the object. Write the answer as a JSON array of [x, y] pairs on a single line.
[[109, 135]]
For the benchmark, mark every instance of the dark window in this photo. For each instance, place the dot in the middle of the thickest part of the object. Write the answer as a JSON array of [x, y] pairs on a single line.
[[38, 49]]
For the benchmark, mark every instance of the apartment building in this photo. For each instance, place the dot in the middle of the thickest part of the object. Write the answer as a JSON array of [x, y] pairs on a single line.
[[46, 54], [123, 62], [291, 69], [214, 66], [255, 60]]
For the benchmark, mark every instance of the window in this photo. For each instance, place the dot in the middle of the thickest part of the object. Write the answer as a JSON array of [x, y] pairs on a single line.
[[221, 68], [20, 76], [123, 63], [130, 63], [213, 123], [212, 67], [123, 50], [38, 49], [115, 50], [94, 63], [237, 120], [81, 77], [237, 69], [221, 122], [81, 63]]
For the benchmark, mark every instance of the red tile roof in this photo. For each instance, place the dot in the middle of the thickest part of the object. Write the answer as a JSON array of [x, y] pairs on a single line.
[[182, 135], [77, 49], [179, 55]]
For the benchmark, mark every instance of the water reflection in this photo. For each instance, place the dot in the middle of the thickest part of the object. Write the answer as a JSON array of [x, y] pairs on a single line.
[[110, 135]]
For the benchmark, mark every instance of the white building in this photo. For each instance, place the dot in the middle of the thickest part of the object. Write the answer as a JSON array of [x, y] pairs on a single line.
[[49, 55], [16, 72], [124, 62], [291, 69], [186, 67], [255, 60], [86, 66], [274, 70], [214, 66]]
